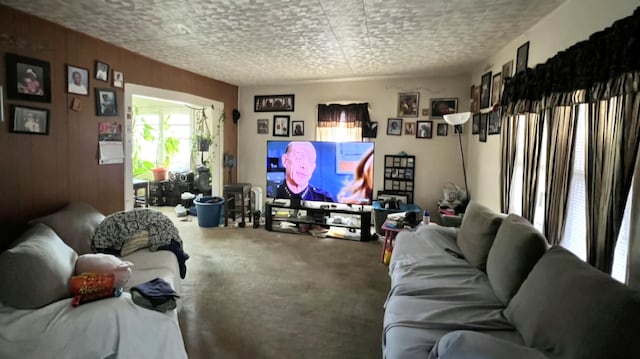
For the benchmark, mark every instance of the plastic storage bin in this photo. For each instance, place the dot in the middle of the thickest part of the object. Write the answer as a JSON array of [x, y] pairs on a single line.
[[380, 213], [209, 210]]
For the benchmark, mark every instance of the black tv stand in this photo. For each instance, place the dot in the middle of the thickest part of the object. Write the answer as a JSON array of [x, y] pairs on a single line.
[[300, 219]]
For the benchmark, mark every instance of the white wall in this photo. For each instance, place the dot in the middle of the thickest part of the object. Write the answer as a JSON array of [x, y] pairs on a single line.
[[437, 159], [572, 22]]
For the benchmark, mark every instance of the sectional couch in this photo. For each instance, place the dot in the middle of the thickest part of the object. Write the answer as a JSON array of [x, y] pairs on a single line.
[[494, 289], [37, 319]]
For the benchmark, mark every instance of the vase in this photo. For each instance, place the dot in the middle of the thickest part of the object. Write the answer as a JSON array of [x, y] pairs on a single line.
[[159, 174]]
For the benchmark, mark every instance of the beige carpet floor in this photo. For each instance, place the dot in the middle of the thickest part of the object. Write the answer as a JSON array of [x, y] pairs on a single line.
[[250, 293]]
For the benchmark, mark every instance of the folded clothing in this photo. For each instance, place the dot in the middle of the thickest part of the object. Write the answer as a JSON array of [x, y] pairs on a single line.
[[155, 294]]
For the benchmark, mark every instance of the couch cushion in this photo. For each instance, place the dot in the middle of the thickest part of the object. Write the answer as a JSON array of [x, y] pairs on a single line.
[[569, 309], [516, 249], [75, 224], [36, 271], [477, 232], [465, 344]]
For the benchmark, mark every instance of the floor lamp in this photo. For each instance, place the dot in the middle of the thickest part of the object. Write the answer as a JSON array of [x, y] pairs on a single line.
[[457, 120]]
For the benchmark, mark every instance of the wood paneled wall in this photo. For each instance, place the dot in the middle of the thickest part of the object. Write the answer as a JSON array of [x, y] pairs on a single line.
[[39, 174]]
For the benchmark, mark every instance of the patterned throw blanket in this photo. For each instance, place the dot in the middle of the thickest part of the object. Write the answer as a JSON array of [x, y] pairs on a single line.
[[116, 229]]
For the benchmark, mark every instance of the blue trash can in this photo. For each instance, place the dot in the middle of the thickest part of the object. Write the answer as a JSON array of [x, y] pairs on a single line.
[[209, 210]]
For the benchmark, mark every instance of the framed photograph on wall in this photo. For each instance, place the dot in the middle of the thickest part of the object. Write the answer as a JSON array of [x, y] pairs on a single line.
[[102, 71], [28, 79], [410, 128], [408, 103], [475, 124], [496, 87], [522, 57], [281, 125], [274, 103], [483, 127], [298, 128], [425, 129], [507, 70], [443, 106], [77, 80], [475, 99], [485, 90], [394, 126], [443, 129], [30, 120], [263, 126], [118, 79], [106, 102], [494, 123]]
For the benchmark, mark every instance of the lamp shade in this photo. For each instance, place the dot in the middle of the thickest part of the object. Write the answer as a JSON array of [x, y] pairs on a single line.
[[457, 118]]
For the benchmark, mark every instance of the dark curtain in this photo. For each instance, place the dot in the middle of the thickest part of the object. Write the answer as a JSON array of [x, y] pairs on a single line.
[[508, 134], [354, 115], [533, 126], [603, 72]]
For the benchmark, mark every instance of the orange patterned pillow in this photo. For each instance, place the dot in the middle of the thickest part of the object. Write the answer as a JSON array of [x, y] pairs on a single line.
[[88, 287]]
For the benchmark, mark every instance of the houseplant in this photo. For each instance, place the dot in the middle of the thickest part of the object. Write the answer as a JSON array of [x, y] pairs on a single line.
[[165, 150]]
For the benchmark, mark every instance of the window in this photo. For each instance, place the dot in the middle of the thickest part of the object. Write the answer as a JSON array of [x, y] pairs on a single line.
[[341, 123], [152, 136], [515, 202]]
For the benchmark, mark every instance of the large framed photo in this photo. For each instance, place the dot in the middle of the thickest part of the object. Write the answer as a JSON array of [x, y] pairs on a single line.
[[263, 126], [485, 90], [443, 106], [274, 103], [28, 79], [106, 102], [507, 71], [298, 128], [408, 104], [102, 71], [494, 123], [394, 126], [77, 80], [425, 129], [522, 57], [281, 125], [31, 120]]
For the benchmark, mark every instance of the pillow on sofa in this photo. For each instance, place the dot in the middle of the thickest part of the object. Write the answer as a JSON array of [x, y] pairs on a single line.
[[477, 231], [569, 309], [516, 249], [36, 271], [75, 224], [101, 263]]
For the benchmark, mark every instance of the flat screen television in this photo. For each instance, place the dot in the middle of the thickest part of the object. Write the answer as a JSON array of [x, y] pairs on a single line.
[[340, 172]]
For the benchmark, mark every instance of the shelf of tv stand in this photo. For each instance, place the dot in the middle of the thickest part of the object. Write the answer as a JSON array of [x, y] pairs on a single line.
[[316, 217]]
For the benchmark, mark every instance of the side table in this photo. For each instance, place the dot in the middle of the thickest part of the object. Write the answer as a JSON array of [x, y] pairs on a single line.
[[390, 233]]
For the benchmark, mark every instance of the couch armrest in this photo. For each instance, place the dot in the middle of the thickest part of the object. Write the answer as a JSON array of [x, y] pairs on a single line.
[[463, 344]]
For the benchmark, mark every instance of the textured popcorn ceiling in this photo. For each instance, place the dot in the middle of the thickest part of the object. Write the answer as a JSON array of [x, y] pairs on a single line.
[[252, 42]]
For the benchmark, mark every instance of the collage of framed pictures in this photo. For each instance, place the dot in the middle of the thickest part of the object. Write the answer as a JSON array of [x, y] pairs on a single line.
[[274, 103]]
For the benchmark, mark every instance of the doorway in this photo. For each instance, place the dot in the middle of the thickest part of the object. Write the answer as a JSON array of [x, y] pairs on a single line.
[[159, 132]]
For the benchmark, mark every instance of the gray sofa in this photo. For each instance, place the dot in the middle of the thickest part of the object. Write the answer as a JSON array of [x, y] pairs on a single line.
[[509, 296]]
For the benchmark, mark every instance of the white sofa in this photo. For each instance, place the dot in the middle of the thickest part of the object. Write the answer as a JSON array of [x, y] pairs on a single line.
[[45, 325]]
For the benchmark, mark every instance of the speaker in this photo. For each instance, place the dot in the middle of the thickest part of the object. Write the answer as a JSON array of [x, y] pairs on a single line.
[[236, 115]]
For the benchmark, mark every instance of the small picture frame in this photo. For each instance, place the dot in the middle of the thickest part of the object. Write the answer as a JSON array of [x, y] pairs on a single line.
[[28, 79], [394, 126], [443, 129], [281, 125], [522, 57], [507, 71], [118, 79], [29, 120], [483, 127], [443, 106], [102, 71], [77, 80], [485, 90], [106, 102], [425, 112], [274, 103], [263, 126], [410, 128], [458, 129], [475, 99], [494, 123], [298, 128], [475, 124], [496, 86], [370, 129], [425, 129], [408, 103]]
